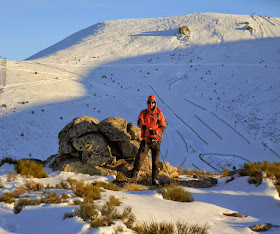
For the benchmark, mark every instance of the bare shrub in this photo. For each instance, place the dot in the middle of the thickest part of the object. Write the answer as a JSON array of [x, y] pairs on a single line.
[[62, 185], [175, 193], [52, 198], [30, 169], [31, 185], [127, 217]]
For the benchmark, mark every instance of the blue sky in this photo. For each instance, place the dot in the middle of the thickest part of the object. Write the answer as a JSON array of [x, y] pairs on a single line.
[[29, 26]]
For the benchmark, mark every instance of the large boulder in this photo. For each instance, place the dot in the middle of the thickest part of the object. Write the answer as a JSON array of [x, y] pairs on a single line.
[[129, 148], [95, 149], [78, 127], [114, 128]]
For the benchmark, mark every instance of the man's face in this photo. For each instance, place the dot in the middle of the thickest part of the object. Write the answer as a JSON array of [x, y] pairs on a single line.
[[151, 103]]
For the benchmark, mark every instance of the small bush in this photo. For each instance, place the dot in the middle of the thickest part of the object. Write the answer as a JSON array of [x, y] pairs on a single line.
[[82, 189], [53, 198], [259, 170], [127, 217], [225, 172], [87, 210], [175, 193], [62, 185], [30, 169], [33, 186]]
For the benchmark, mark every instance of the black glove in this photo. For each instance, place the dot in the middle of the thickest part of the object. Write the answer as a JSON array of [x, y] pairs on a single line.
[[144, 127], [153, 132]]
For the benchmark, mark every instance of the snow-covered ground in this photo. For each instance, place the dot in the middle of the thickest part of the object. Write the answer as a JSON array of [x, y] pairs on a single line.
[[218, 89], [260, 205]]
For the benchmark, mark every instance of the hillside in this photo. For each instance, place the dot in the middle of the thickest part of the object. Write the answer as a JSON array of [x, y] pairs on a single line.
[[218, 88]]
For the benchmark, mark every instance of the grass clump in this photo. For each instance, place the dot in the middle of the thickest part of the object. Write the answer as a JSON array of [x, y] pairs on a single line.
[[175, 193], [82, 189], [30, 169], [169, 228], [105, 215]]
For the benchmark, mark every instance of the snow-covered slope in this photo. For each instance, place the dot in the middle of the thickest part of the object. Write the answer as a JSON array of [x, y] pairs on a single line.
[[218, 88]]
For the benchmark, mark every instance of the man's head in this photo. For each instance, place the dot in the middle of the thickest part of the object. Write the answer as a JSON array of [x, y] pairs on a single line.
[[151, 102]]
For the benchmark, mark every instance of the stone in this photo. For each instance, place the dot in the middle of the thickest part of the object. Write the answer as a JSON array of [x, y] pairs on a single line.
[[95, 150], [204, 183], [129, 148], [134, 132], [235, 215], [261, 227], [78, 127], [114, 128]]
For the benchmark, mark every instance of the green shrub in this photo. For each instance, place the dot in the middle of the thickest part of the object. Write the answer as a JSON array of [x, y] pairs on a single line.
[[175, 193], [30, 169]]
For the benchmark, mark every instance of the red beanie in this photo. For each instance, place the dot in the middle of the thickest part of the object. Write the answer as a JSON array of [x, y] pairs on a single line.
[[151, 98]]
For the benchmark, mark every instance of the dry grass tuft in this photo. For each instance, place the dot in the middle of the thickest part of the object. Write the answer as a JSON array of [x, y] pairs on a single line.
[[175, 193], [169, 228], [106, 185], [82, 189], [30, 169], [33, 186], [134, 187]]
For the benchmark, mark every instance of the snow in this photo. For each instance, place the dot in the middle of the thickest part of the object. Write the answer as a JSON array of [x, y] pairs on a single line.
[[218, 90], [260, 204]]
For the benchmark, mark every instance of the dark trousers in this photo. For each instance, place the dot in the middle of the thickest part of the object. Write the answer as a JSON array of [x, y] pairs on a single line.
[[142, 153]]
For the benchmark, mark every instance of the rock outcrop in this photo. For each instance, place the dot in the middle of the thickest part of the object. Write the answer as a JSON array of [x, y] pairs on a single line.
[[102, 148]]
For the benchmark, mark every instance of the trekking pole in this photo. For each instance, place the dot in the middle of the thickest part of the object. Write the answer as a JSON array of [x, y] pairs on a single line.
[[164, 163]]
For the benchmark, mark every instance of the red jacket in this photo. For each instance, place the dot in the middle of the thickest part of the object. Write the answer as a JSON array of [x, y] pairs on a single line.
[[154, 120]]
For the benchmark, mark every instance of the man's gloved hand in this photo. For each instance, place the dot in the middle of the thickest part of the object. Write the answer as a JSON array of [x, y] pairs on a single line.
[[144, 127], [153, 132]]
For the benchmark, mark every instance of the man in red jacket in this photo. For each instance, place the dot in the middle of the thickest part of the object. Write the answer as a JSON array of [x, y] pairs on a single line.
[[152, 124]]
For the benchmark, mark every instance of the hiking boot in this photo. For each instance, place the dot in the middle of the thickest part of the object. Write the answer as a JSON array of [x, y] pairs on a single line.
[[155, 183]]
